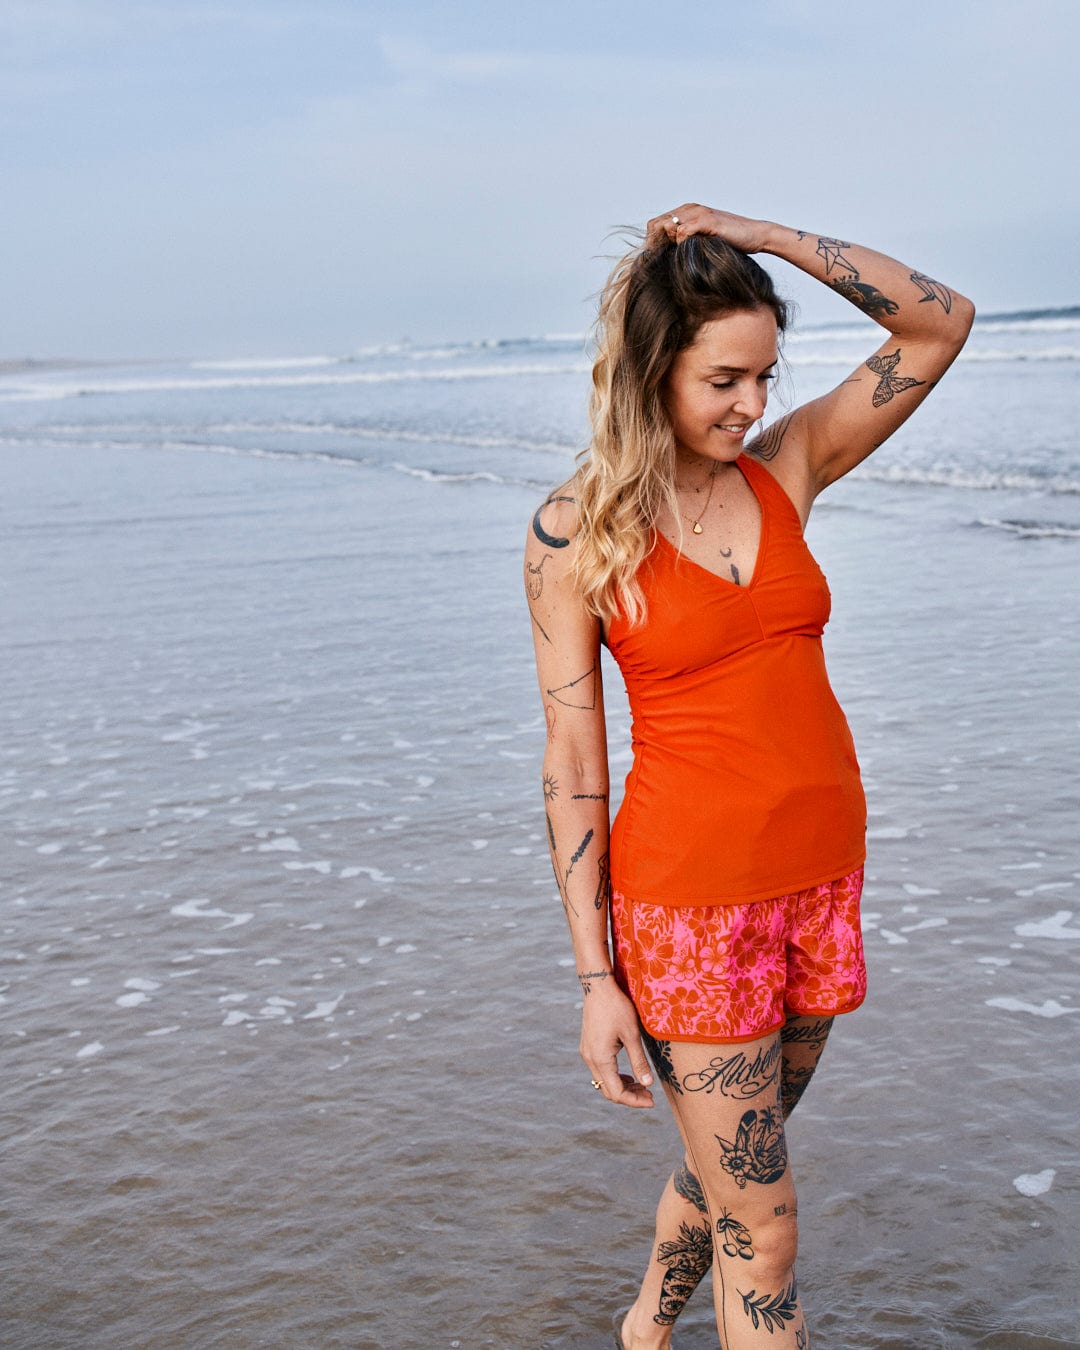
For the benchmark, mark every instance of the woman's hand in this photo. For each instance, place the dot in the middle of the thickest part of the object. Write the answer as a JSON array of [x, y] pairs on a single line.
[[749, 235], [609, 1024]]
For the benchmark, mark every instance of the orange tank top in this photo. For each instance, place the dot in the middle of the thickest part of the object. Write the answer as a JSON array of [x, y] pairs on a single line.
[[745, 783]]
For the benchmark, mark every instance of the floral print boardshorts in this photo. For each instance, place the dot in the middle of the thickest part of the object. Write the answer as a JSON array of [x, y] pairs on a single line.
[[726, 973]]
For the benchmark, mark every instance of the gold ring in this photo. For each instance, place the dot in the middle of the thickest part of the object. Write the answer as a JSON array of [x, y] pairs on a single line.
[[595, 1084]]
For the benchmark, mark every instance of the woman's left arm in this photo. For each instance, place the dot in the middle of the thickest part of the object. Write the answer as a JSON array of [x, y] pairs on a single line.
[[927, 324]]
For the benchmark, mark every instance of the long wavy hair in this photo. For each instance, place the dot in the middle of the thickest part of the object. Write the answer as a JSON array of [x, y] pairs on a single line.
[[651, 308]]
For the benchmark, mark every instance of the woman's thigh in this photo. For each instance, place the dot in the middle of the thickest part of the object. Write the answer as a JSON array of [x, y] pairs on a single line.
[[726, 1100]]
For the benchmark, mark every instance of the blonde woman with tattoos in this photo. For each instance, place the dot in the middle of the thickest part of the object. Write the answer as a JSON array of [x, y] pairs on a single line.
[[729, 881]]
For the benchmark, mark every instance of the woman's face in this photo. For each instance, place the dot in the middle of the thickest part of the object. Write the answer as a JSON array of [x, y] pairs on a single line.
[[717, 387]]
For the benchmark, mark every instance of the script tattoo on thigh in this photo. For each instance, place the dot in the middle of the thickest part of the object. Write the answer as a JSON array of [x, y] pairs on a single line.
[[736, 1235], [771, 1312], [688, 1186], [687, 1258], [737, 1075], [759, 1150], [660, 1054]]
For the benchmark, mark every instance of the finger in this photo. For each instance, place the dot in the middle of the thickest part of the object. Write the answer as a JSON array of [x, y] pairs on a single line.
[[632, 1093], [639, 1061]]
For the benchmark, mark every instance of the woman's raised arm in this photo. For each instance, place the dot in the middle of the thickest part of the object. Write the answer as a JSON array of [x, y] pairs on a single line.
[[575, 781], [927, 324]]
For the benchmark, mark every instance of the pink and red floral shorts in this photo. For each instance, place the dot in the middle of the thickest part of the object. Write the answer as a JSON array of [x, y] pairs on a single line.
[[725, 973]]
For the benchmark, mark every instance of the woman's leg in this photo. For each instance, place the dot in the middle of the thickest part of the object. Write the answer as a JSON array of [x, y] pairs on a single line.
[[681, 1256], [682, 1248], [727, 1100]]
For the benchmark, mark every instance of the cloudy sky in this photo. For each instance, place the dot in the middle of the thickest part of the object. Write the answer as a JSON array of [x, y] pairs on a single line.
[[291, 176]]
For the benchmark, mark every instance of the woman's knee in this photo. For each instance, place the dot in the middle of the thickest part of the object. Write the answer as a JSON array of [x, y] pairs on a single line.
[[767, 1241]]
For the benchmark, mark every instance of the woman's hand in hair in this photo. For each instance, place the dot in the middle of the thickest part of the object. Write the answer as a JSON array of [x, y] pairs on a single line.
[[683, 221]]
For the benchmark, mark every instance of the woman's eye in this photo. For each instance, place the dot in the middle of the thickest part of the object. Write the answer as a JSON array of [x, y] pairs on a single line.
[[727, 385]]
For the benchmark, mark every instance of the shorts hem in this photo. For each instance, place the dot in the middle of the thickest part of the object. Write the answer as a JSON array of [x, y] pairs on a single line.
[[830, 1012], [714, 1040]]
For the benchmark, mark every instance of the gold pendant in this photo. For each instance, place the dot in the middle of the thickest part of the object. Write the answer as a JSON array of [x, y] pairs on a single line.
[[697, 527]]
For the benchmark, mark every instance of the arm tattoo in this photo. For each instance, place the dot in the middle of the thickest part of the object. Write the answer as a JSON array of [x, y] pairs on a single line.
[[588, 796], [551, 787], [548, 540], [767, 445], [866, 297], [603, 883], [579, 693], [832, 250], [549, 717], [585, 979], [540, 626], [534, 577], [889, 384], [933, 290]]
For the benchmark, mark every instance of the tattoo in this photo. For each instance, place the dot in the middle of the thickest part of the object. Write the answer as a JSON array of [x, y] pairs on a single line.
[[534, 577], [759, 1152], [583, 697], [832, 251], [726, 552], [540, 626], [586, 979], [793, 1083], [889, 384], [735, 574], [548, 540], [559, 881], [806, 1033], [779, 1209], [868, 298], [737, 1239], [771, 1313], [767, 446], [660, 1054], [688, 1186], [800, 1339], [688, 1258], [603, 882], [551, 787], [933, 290], [588, 796], [737, 1076], [578, 854], [549, 715]]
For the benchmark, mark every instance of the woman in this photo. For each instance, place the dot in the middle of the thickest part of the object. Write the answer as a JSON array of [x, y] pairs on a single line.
[[734, 866]]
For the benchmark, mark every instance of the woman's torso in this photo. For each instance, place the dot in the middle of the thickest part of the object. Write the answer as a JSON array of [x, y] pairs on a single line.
[[745, 783]]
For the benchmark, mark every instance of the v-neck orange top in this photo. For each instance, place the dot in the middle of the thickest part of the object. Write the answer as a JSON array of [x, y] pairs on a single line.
[[745, 783]]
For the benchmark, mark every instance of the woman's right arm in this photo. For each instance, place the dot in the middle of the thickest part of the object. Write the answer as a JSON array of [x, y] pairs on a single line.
[[575, 779]]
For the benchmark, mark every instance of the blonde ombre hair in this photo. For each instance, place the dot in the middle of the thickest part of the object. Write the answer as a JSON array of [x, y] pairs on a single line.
[[652, 307]]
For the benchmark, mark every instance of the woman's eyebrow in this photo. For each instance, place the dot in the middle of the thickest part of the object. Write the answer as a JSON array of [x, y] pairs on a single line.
[[737, 370]]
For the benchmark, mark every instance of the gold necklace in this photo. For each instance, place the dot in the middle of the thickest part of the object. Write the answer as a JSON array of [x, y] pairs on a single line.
[[712, 480]]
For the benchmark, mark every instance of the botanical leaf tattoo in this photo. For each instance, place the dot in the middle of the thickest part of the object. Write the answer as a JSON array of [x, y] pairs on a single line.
[[771, 1313], [889, 384]]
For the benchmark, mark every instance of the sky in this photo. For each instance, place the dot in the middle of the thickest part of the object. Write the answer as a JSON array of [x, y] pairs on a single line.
[[288, 177]]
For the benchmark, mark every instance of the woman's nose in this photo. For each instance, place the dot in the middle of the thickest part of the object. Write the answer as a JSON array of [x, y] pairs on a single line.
[[751, 401]]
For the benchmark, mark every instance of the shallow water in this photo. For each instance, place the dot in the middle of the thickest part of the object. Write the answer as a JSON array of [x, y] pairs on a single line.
[[289, 1031]]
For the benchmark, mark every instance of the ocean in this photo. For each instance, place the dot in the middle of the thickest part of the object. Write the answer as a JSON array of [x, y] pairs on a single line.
[[289, 1018]]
